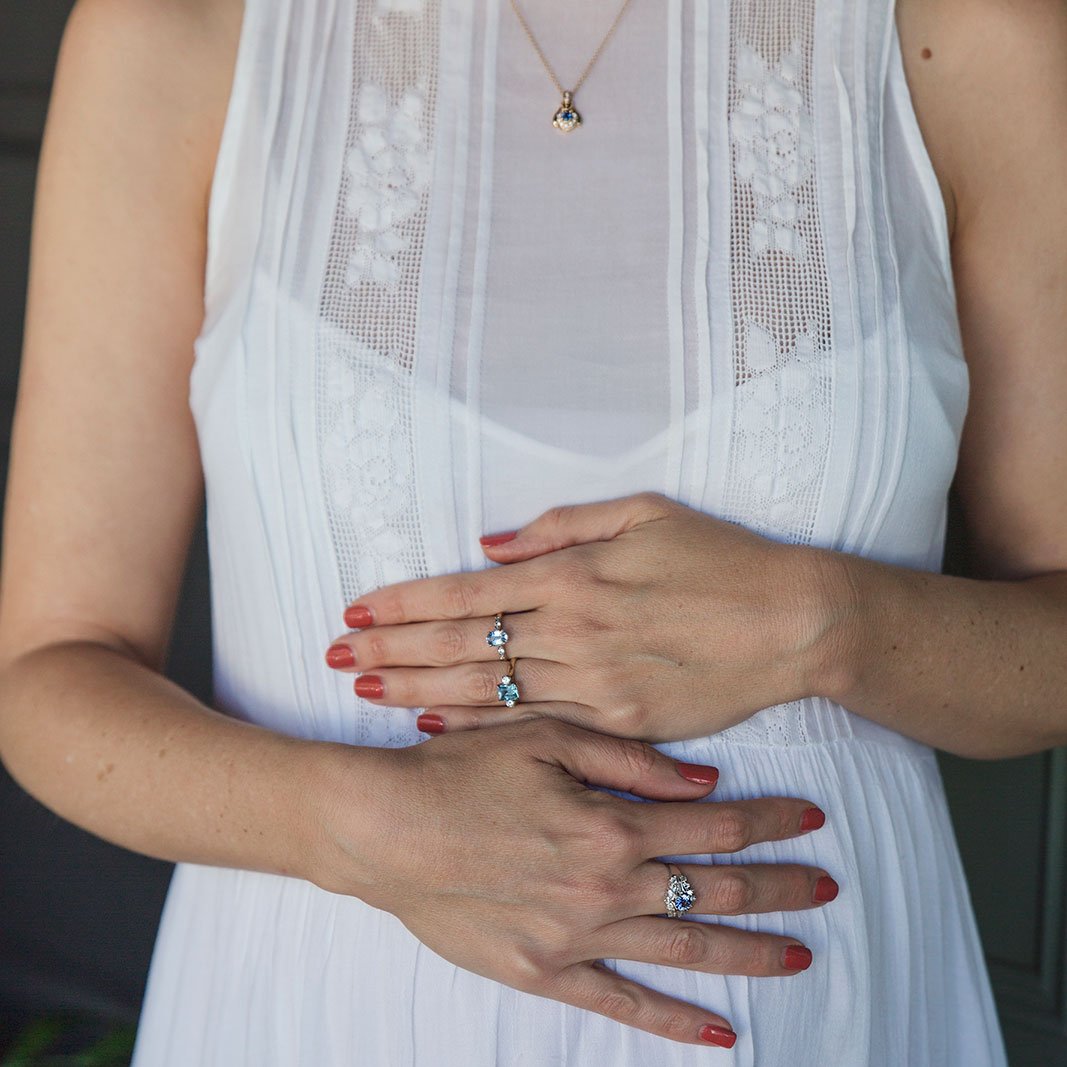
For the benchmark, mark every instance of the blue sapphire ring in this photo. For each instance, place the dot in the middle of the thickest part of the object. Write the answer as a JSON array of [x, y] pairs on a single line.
[[506, 690], [679, 897], [498, 637]]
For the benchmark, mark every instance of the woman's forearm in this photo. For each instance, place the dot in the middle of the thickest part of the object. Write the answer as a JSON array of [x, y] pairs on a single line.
[[978, 668], [118, 749]]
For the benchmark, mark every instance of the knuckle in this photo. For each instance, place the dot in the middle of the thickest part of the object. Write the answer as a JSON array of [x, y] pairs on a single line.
[[732, 893], [650, 503], [686, 945], [640, 758], [560, 515], [676, 1025], [459, 598], [734, 831], [479, 687], [612, 836], [527, 970], [376, 648], [617, 1002], [394, 608], [449, 644]]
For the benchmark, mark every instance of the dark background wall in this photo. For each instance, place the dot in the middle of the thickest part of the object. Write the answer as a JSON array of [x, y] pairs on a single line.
[[78, 916]]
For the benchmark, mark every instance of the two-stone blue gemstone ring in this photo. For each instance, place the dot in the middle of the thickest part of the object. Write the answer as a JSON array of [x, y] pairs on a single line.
[[506, 690]]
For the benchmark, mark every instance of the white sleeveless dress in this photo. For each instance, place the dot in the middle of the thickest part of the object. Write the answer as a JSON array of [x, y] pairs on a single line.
[[430, 315]]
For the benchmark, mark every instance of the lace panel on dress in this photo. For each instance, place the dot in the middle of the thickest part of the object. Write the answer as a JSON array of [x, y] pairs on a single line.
[[367, 313], [779, 292]]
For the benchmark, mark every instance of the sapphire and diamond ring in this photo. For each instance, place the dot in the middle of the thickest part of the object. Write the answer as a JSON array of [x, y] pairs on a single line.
[[498, 637], [679, 897], [506, 690]]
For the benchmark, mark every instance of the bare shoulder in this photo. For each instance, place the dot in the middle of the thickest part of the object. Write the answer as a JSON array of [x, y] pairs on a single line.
[[989, 80], [164, 68], [95, 536], [989, 83]]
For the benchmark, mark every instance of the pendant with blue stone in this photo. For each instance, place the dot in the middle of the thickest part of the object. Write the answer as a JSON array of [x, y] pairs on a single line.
[[566, 117]]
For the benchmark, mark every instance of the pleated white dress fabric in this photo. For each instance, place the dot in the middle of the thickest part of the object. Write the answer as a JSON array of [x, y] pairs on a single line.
[[430, 315]]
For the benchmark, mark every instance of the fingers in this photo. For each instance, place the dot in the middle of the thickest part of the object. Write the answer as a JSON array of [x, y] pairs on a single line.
[[451, 596], [437, 644], [729, 826], [700, 946], [595, 988], [453, 717], [734, 889], [623, 764], [577, 524], [468, 684]]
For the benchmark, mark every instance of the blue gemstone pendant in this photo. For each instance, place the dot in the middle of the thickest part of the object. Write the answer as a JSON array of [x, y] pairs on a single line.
[[566, 117]]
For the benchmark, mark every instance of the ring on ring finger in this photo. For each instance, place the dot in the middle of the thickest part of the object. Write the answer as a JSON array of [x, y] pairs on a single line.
[[507, 690], [680, 895]]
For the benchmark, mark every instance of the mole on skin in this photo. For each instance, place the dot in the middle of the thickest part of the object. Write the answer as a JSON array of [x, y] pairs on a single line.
[[926, 53]]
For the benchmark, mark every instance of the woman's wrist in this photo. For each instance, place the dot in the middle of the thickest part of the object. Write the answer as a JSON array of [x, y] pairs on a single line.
[[339, 792], [832, 627]]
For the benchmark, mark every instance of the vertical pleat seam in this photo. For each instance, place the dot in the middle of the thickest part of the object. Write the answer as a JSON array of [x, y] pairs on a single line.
[[471, 529], [672, 473], [717, 278], [290, 423], [701, 450], [873, 386], [897, 348], [434, 447], [255, 457]]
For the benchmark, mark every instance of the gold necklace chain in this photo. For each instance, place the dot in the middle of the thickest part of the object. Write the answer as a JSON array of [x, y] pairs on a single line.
[[566, 117]]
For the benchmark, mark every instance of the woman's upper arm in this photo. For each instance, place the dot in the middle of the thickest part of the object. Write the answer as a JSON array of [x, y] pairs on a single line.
[[993, 93], [105, 483]]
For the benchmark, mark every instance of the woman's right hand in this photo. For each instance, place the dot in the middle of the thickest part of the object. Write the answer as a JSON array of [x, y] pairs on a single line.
[[493, 850]]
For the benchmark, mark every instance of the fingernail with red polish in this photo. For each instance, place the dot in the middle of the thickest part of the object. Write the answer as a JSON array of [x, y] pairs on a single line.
[[812, 819], [430, 724], [357, 616], [492, 540], [369, 685], [696, 772], [718, 1035], [340, 656], [796, 958], [825, 889]]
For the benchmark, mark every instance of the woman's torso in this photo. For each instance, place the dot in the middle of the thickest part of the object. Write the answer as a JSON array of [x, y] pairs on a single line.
[[430, 314]]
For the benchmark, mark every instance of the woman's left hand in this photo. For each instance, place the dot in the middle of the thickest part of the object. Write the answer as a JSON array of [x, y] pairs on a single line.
[[638, 617]]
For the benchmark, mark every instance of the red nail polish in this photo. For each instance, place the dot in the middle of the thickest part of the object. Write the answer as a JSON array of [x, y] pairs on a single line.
[[718, 1035], [429, 723], [696, 772], [812, 819], [492, 540], [825, 889], [340, 656], [796, 958], [369, 685], [357, 616]]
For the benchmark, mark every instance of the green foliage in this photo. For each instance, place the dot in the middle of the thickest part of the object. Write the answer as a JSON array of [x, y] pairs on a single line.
[[39, 1045]]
